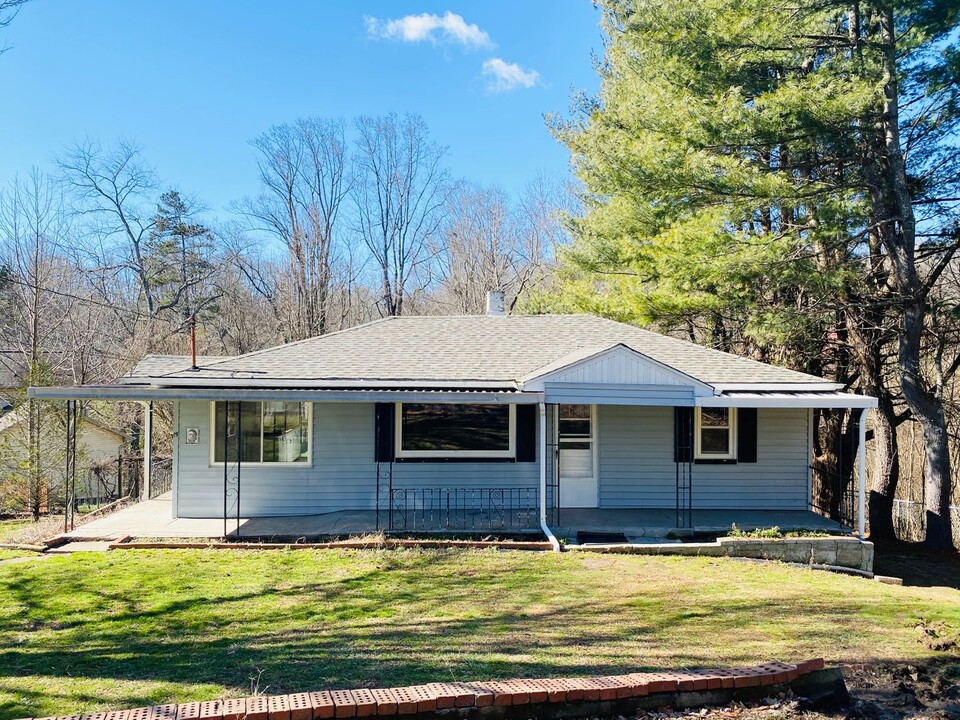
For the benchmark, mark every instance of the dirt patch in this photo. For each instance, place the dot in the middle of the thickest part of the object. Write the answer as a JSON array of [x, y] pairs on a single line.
[[878, 691]]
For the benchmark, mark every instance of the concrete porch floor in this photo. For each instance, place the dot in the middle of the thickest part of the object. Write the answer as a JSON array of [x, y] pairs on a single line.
[[152, 518], [660, 522]]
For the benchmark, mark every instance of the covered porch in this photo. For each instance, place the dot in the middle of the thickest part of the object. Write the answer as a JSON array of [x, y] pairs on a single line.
[[634, 451]]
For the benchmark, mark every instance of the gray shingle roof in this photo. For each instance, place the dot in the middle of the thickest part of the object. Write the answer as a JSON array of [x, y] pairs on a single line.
[[464, 349], [158, 365]]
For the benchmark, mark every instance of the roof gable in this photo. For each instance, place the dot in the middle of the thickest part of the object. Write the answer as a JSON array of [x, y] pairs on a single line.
[[615, 364]]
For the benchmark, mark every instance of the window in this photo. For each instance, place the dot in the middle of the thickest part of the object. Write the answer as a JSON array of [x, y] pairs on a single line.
[[716, 434], [455, 430], [267, 432], [577, 445], [574, 427]]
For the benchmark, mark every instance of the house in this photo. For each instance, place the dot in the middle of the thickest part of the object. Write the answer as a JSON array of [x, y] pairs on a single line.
[[479, 422], [98, 448], [11, 381]]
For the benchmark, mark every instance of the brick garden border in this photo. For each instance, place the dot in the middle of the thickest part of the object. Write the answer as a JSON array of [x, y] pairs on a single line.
[[564, 697]]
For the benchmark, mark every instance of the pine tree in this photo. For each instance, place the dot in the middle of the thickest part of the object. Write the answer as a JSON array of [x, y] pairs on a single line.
[[727, 164]]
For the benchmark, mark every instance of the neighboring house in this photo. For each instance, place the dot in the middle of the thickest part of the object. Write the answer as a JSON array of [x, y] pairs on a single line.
[[98, 447], [10, 379], [480, 416]]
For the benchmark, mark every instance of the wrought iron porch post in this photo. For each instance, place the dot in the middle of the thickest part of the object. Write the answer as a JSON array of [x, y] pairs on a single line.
[[70, 474], [147, 450]]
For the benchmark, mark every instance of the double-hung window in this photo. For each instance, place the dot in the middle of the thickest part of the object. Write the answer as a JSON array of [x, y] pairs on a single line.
[[261, 432], [455, 430], [716, 434]]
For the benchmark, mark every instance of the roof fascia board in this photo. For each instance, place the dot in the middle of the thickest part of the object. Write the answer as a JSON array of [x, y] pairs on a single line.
[[293, 383], [536, 382], [143, 393], [823, 386]]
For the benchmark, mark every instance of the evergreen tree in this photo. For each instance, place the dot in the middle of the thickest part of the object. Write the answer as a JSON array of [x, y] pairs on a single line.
[[726, 166], [179, 260]]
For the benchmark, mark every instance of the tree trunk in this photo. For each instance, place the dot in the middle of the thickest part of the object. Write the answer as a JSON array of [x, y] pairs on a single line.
[[924, 399]]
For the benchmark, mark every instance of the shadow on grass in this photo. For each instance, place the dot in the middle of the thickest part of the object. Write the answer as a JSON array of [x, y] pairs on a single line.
[[916, 565], [306, 622]]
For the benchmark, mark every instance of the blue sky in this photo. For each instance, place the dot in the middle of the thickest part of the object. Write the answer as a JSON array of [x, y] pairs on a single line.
[[192, 81]]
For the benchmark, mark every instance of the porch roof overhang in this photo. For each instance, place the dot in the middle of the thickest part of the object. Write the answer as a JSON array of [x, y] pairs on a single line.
[[143, 393], [782, 399], [588, 393]]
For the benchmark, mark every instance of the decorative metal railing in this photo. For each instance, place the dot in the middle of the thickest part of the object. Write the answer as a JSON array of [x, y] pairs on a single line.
[[161, 476], [836, 493], [462, 509]]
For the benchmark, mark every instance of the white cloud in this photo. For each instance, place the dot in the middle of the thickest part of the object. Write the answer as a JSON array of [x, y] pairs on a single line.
[[449, 27], [503, 76]]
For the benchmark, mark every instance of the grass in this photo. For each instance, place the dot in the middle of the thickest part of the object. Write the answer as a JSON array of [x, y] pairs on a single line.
[[27, 531], [11, 553], [130, 628], [13, 527]]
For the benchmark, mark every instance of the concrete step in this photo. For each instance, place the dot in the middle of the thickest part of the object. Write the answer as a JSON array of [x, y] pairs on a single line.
[[80, 546]]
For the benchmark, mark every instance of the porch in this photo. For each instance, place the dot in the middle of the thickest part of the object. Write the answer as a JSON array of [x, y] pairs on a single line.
[[153, 519]]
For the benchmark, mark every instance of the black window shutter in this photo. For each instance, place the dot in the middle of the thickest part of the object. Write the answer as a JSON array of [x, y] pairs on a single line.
[[385, 419], [747, 435], [683, 434], [526, 433]]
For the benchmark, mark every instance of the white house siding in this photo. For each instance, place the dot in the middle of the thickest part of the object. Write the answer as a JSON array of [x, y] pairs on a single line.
[[635, 461], [342, 476], [637, 468], [98, 445]]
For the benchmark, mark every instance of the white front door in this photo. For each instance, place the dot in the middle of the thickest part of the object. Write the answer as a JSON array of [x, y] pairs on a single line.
[[576, 440]]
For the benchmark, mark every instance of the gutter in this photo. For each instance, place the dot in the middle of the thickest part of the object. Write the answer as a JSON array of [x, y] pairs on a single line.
[[543, 478]]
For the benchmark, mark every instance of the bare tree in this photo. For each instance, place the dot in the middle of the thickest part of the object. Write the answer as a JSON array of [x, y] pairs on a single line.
[[401, 190], [492, 243], [305, 178], [8, 11], [33, 230], [113, 188]]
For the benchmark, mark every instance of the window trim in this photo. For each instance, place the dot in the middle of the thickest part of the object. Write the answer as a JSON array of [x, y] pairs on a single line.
[[261, 463], [731, 453], [401, 454]]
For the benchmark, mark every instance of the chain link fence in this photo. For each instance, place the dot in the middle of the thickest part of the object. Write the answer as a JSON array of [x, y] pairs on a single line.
[[909, 521]]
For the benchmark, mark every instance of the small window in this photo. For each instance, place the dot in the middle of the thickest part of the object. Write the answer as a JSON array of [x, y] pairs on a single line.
[[716, 434], [435, 430], [267, 432], [574, 427]]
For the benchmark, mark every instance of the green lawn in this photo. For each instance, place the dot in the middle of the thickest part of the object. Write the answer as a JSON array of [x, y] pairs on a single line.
[[130, 628]]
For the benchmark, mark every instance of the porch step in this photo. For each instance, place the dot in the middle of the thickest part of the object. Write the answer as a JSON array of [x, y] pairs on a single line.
[[80, 546]]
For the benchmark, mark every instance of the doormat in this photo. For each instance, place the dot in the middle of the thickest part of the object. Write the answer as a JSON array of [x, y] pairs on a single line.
[[596, 538]]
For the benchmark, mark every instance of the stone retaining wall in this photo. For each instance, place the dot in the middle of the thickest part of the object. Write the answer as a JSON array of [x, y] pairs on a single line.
[[834, 552], [568, 697]]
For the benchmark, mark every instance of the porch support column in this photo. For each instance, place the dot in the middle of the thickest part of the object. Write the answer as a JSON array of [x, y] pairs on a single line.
[[542, 452], [862, 473], [147, 448]]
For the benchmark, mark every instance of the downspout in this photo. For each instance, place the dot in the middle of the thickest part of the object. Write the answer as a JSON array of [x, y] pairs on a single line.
[[543, 478], [862, 474]]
